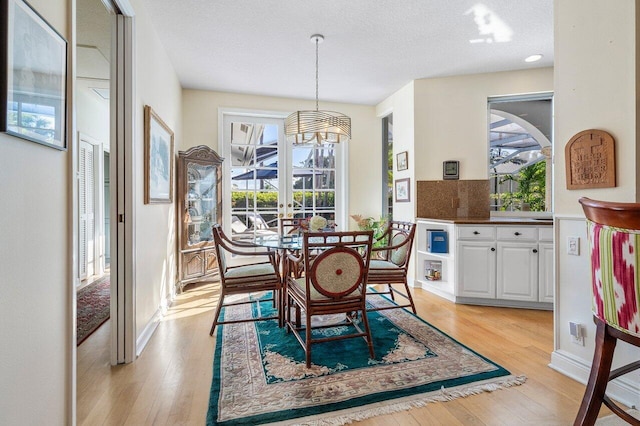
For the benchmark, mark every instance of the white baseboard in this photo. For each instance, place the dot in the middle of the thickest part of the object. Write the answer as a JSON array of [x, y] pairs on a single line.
[[148, 331], [623, 390]]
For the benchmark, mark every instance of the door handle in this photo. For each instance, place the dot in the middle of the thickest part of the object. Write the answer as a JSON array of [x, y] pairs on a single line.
[[493, 249], [289, 205], [516, 234], [535, 250], [281, 205], [475, 233], [281, 215]]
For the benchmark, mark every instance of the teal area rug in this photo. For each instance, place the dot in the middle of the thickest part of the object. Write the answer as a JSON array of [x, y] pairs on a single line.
[[259, 373]]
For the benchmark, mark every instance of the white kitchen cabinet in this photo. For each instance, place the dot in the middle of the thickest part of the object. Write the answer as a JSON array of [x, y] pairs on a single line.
[[507, 264], [517, 266], [476, 269]]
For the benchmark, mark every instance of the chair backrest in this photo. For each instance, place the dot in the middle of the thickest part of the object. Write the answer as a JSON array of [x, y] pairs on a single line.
[[336, 263], [290, 225], [219, 239], [613, 231], [399, 237]]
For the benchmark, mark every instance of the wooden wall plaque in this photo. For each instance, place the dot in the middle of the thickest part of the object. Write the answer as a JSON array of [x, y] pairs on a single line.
[[590, 160]]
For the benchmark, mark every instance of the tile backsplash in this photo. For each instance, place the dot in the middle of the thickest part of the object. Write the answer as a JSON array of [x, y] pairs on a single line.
[[443, 199]]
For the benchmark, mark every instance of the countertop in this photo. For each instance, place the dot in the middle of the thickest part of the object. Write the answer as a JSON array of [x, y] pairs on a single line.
[[502, 220]]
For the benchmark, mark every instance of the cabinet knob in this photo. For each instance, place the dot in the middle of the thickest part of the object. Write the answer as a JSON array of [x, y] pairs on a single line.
[[475, 233], [535, 250], [516, 233], [493, 249]]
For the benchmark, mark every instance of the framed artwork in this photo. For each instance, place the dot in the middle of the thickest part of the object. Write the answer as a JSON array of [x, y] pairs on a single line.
[[403, 195], [33, 76], [158, 159], [402, 160]]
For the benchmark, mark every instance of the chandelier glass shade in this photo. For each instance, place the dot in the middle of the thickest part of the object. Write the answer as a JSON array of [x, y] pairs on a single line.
[[315, 125]]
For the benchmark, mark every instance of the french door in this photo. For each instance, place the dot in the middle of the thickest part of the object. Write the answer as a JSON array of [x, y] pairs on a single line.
[[267, 178]]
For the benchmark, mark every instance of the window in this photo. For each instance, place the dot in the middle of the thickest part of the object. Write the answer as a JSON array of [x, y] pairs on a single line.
[[271, 179], [520, 147]]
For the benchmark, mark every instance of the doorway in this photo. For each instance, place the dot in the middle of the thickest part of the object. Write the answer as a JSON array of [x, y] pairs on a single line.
[[268, 178]]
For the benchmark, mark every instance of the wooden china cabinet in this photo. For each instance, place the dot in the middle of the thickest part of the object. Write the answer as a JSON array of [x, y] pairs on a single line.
[[199, 205]]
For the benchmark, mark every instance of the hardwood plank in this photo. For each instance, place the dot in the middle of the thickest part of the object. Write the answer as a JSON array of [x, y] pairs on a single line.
[[169, 383]]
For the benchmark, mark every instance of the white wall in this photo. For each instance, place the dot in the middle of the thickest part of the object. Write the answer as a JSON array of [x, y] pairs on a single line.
[[595, 88], [451, 113], [35, 331], [92, 116], [401, 104], [156, 85], [200, 124]]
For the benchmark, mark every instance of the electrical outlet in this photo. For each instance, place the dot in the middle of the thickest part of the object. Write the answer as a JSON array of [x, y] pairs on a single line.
[[573, 246], [577, 333]]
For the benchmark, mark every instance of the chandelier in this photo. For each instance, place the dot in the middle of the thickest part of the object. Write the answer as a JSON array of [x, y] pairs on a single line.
[[319, 126]]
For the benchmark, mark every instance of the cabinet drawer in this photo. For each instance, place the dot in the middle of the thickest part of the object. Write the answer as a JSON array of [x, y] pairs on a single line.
[[516, 233], [476, 232], [545, 233]]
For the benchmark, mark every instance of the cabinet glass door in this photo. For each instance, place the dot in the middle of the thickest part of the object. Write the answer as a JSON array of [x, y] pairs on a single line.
[[201, 202]]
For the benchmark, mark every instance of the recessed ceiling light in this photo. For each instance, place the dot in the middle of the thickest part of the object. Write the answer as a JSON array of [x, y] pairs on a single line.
[[533, 58]]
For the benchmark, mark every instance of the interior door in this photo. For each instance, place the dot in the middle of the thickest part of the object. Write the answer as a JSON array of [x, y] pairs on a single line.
[[86, 213]]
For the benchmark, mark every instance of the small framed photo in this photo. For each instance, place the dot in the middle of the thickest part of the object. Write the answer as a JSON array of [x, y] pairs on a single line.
[[158, 159], [402, 189], [402, 160], [33, 76]]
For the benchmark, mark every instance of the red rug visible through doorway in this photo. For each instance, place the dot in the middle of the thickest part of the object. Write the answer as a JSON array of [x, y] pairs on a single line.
[[94, 307]]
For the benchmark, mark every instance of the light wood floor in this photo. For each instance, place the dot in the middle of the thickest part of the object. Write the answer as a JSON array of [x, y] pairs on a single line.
[[169, 383]]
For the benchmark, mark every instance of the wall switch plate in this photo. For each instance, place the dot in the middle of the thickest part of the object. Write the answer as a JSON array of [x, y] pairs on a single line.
[[573, 246]]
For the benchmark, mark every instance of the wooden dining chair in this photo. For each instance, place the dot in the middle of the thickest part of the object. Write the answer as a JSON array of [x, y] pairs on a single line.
[[256, 270], [292, 225], [614, 240], [334, 282], [389, 264]]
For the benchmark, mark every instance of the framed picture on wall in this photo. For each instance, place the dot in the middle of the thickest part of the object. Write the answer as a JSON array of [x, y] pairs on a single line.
[[33, 76], [402, 160], [402, 190], [158, 159]]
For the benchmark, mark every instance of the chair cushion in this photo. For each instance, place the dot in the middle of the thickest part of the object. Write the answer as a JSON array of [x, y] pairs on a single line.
[[399, 255], [614, 273], [382, 266], [250, 270]]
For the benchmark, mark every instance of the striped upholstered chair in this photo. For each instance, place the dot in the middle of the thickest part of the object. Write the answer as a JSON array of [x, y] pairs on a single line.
[[614, 240]]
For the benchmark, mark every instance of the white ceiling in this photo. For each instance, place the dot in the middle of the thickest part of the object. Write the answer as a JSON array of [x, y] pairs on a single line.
[[371, 49]]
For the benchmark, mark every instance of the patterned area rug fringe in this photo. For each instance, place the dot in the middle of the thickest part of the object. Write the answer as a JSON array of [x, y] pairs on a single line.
[[415, 401]]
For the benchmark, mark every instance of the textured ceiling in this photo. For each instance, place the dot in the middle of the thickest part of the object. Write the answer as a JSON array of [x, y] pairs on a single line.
[[372, 47]]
